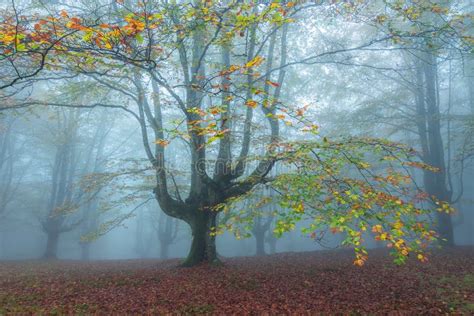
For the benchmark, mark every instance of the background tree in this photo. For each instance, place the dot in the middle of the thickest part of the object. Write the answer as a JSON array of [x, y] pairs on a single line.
[[167, 231], [262, 222], [64, 168]]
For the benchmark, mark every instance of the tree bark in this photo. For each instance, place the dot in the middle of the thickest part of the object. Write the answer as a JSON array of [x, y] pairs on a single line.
[[431, 140], [260, 243], [3, 245], [445, 229], [437, 181], [52, 245], [203, 245]]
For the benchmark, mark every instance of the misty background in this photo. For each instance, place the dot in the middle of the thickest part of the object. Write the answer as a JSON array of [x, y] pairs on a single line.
[[75, 183]]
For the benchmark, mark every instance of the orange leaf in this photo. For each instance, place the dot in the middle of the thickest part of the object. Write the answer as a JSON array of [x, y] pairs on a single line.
[[251, 103], [162, 142], [64, 14], [274, 84]]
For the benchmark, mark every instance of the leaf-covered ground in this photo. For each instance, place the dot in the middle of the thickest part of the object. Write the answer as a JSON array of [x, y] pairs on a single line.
[[308, 283]]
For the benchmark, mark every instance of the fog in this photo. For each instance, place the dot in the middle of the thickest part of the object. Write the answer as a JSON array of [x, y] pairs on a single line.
[[110, 147]]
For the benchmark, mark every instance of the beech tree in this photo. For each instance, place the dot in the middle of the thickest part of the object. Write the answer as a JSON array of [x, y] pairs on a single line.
[[442, 31], [7, 159], [95, 163], [61, 198], [262, 222], [207, 103], [167, 231]]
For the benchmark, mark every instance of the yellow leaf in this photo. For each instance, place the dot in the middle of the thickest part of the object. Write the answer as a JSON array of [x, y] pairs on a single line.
[[422, 258], [233, 68], [377, 228], [162, 142], [398, 225], [258, 60], [299, 208]]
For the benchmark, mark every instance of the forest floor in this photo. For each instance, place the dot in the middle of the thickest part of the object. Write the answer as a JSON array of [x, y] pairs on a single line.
[[289, 283]]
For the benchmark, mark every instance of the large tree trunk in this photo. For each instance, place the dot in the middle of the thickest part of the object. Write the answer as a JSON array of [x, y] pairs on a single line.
[[445, 229], [203, 246], [431, 140], [52, 245], [437, 182], [167, 233], [260, 242], [3, 245]]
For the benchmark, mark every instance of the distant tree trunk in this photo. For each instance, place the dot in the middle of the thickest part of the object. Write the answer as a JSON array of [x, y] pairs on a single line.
[[8, 157], [437, 181], [260, 243], [52, 245], [271, 240], [3, 245], [429, 128], [62, 178], [167, 232], [260, 228], [96, 157], [203, 245], [143, 237]]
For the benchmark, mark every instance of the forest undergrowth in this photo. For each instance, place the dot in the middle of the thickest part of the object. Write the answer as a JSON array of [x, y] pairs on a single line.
[[302, 283]]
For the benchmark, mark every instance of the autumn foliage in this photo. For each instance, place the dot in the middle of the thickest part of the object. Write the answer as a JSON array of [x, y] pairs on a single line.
[[318, 282], [357, 188]]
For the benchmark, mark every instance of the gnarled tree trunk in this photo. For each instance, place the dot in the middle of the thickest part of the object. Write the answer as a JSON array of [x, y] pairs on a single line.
[[51, 245], [203, 245]]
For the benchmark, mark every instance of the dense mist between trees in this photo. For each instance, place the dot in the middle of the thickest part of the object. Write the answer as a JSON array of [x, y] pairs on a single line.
[[236, 157]]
